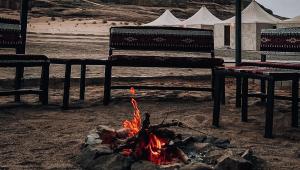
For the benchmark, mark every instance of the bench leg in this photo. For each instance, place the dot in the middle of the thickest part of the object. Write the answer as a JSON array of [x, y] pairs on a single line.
[[217, 100], [67, 86], [107, 84], [212, 83], [223, 90], [19, 73], [245, 100], [238, 92], [44, 84], [269, 109], [18, 82], [295, 107], [82, 81], [263, 90]]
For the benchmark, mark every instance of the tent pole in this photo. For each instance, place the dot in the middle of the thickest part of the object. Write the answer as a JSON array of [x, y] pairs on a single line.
[[238, 32]]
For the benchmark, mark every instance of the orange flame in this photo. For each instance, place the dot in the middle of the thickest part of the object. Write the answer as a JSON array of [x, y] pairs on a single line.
[[135, 124], [154, 147]]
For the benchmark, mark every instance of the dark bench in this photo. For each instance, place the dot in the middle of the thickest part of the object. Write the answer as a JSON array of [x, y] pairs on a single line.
[[159, 39], [13, 34], [21, 61]]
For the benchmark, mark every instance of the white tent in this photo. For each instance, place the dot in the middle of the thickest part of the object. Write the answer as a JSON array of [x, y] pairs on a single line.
[[202, 19], [254, 19], [254, 13], [166, 19], [293, 22]]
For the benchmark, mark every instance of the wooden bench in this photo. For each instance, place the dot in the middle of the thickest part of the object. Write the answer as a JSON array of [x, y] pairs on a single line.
[[21, 61], [159, 39], [13, 34]]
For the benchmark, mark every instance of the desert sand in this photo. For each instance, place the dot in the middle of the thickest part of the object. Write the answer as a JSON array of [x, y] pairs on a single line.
[[46, 137]]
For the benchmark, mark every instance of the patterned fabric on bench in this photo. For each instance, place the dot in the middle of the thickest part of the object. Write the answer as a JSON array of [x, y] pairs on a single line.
[[10, 32], [13, 32], [294, 66], [164, 61], [282, 39], [161, 38]]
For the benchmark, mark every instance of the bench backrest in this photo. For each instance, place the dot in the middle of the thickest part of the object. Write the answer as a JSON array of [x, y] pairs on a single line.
[[280, 40], [12, 31], [161, 39], [16, 57]]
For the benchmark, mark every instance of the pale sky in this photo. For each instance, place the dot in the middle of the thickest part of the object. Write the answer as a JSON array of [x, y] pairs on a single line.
[[285, 8]]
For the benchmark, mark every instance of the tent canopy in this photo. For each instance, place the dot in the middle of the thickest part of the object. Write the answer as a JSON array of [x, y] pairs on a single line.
[[166, 19], [202, 17], [292, 20], [254, 13]]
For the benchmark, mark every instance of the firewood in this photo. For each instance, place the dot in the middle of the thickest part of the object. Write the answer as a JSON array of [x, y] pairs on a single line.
[[106, 134], [165, 134], [182, 156], [122, 133]]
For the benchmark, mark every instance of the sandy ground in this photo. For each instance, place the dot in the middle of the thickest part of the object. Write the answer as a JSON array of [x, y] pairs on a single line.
[[46, 137], [37, 137]]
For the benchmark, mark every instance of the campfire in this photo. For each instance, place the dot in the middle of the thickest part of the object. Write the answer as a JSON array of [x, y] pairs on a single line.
[[141, 140], [138, 144]]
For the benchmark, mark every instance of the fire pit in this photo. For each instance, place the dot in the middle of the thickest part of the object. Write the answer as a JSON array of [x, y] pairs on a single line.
[[141, 145]]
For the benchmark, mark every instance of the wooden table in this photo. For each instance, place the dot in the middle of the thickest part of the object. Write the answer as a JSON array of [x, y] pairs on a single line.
[[270, 75]]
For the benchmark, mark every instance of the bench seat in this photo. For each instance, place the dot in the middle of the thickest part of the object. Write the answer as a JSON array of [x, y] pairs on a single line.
[[165, 61], [294, 66]]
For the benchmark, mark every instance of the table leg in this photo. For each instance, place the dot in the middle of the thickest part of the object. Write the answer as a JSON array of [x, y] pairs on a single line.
[[107, 84], [18, 81], [82, 81], [238, 92], [67, 86], [295, 100], [269, 109], [44, 84], [245, 100], [223, 90], [217, 96], [263, 90]]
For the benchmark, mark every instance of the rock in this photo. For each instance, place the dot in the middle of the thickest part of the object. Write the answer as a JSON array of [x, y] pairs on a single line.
[[110, 162], [144, 165], [92, 139], [197, 166], [201, 147], [210, 139], [200, 139], [106, 134], [173, 166], [102, 150], [86, 158], [234, 163], [90, 153], [222, 143]]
